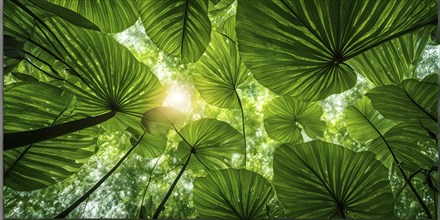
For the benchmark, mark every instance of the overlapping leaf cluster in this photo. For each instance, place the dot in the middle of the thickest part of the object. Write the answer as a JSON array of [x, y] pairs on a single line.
[[73, 82]]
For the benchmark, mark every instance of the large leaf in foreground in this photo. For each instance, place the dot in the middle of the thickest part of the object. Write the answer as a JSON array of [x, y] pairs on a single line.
[[409, 141], [45, 163], [322, 180], [101, 73], [232, 194], [212, 143], [364, 122], [179, 27], [285, 117], [300, 48], [410, 99], [220, 72], [411, 144], [393, 61], [109, 16]]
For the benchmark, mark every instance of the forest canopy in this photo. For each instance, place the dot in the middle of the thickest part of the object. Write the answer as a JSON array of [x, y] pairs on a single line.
[[220, 109]]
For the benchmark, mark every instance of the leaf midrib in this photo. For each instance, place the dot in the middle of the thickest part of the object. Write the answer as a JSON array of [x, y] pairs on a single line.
[[321, 180], [420, 107], [185, 18]]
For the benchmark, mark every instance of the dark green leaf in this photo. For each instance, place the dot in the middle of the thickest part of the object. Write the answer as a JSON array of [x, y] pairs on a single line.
[[411, 99], [300, 48], [411, 144], [45, 163], [65, 13], [322, 180], [393, 61], [364, 122], [219, 72], [212, 142], [109, 16], [285, 117], [129, 88], [232, 194], [179, 27]]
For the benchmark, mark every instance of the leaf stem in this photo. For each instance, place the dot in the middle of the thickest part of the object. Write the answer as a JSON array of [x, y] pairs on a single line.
[[148, 185], [85, 206], [72, 207], [398, 164], [18, 139], [6, 173], [162, 204], [243, 127], [407, 180]]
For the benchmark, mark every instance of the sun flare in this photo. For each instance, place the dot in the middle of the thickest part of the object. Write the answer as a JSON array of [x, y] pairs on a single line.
[[178, 97]]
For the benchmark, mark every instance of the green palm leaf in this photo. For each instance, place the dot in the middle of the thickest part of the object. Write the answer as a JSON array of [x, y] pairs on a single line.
[[157, 122], [410, 143], [322, 180], [232, 194], [227, 28], [150, 146], [12, 53], [393, 61], [161, 119], [128, 88], [285, 117], [216, 7], [180, 28], [364, 122], [212, 143], [300, 48], [66, 14], [410, 99], [220, 72], [109, 16], [45, 163]]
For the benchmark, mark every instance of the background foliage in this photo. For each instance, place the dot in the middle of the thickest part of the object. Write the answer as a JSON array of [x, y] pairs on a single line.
[[312, 93]]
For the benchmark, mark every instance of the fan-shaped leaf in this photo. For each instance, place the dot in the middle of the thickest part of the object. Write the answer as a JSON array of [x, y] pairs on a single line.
[[220, 72], [323, 180], [393, 61], [285, 117], [410, 143], [15, 23], [179, 27], [45, 163], [160, 120], [109, 16], [151, 146], [232, 194], [411, 99], [212, 142], [364, 122], [129, 88], [300, 48]]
